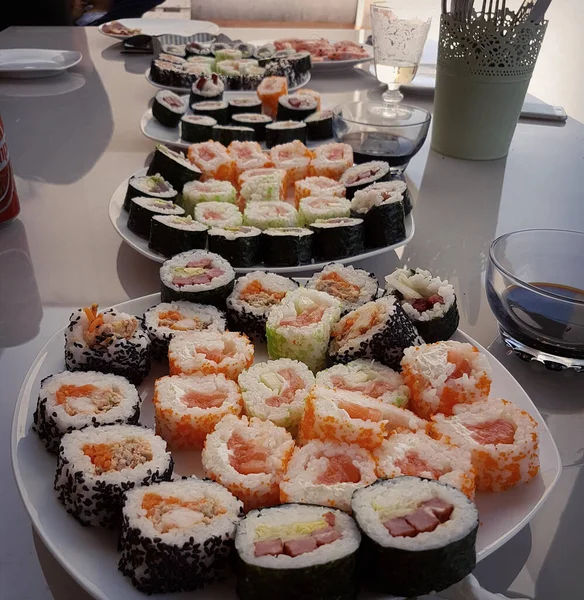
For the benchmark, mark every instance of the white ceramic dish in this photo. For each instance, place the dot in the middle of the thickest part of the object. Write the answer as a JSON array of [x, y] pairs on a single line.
[[161, 26], [90, 555], [27, 63], [119, 219]]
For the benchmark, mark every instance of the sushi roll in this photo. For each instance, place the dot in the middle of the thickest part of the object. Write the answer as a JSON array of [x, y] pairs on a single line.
[[430, 302], [417, 454], [360, 176], [173, 49], [247, 155], [143, 209], [379, 330], [165, 72], [287, 246], [300, 327], [218, 214], [96, 465], [382, 214], [269, 91], [267, 215], [239, 245], [197, 49], [109, 342], [297, 551], [69, 401], [443, 375], [173, 166], [217, 46], [246, 49], [376, 193], [167, 319], [319, 125], [207, 89], [283, 132], [317, 186], [202, 59], [212, 159], [177, 536], [171, 59], [293, 157], [151, 186], [227, 54], [196, 128], [276, 391], [245, 105], [197, 276], [399, 185], [312, 93], [193, 71], [249, 458], [338, 238], [210, 352], [331, 160], [280, 174], [256, 121], [168, 108], [211, 190], [327, 474], [170, 235], [265, 51], [314, 208], [225, 134], [218, 109], [252, 298], [293, 107], [501, 438], [353, 287], [263, 188], [418, 536], [188, 407]]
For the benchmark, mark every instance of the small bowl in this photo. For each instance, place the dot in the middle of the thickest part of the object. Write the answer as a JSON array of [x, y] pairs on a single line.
[[373, 136], [535, 288]]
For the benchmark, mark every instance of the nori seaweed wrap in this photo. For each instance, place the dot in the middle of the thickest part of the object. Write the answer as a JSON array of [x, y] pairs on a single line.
[[296, 107], [360, 176], [225, 134], [338, 238], [170, 235], [287, 246], [282, 132], [256, 121], [173, 166], [219, 110], [384, 222], [319, 125], [142, 209], [168, 108], [239, 245], [152, 186], [245, 105], [197, 128]]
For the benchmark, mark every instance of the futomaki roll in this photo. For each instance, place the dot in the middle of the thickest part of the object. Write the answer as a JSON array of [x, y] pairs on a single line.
[[331, 160], [165, 320], [379, 330], [269, 91], [245, 105], [218, 214], [207, 89], [319, 126], [338, 237], [177, 536], [168, 108], [287, 246], [217, 109], [239, 245], [225, 134], [108, 342], [96, 465], [143, 209], [315, 208], [283, 132], [170, 235], [69, 401], [213, 160], [187, 407], [173, 166], [276, 391], [252, 298], [197, 276], [151, 186], [360, 176], [249, 458], [430, 302], [295, 107], [197, 128], [418, 536], [317, 186], [265, 215], [256, 121], [211, 190]]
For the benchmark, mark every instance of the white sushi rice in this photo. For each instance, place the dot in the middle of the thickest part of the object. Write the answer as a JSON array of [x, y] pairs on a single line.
[[178, 222], [212, 190], [218, 214], [262, 188], [160, 207], [163, 97], [332, 160], [235, 233], [264, 215], [149, 184], [313, 208], [293, 156], [378, 194]]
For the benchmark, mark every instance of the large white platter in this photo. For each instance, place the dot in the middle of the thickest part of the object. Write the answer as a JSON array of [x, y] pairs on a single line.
[[90, 555], [161, 26], [119, 218]]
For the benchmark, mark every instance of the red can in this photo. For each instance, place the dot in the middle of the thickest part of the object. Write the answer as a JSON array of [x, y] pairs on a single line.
[[9, 204]]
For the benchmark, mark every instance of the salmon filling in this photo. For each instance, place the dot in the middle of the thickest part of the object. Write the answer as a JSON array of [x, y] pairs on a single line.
[[292, 382], [116, 456], [364, 413], [100, 333], [414, 465], [86, 399], [461, 363], [195, 399], [422, 519], [335, 285], [247, 456], [357, 324], [256, 295], [310, 316], [340, 469], [498, 431], [174, 319], [374, 388]]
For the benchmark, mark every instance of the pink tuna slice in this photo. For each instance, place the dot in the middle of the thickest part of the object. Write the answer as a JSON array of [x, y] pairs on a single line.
[[441, 509], [269, 547], [200, 264], [423, 520], [330, 518], [300, 546], [399, 527], [191, 280], [326, 537]]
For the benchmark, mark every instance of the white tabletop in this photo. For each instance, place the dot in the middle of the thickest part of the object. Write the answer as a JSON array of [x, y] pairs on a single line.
[[72, 141]]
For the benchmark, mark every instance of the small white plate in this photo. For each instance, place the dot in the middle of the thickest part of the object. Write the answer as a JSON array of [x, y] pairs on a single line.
[[162, 26], [27, 63]]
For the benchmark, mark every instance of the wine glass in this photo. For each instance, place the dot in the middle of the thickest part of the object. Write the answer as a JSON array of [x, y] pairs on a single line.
[[399, 36]]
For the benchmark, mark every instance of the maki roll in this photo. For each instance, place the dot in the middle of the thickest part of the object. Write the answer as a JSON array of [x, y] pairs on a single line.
[[173, 166], [218, 109], [387, 332], [429, 301], [279, 174], [248, 457], [211, 190], [197, 276], [218, 214], [96, 465], [173, 49], [398, 184], [269, 91], [197, 49], [167, 319], [313, 208], [109, 342], [287, 246], [297, 551], [227, 54], [171, 59], [152, 186], [331, 160], [265, 51], [187, 407], [213, 160], [338, 238], [300, 327], [193, 71], [196, 128], [293, 107], [312, 93], [352, 287], [267, 215], [317, 186], [276, 391], [376, 193], [263, 188], [319, 126], [143, 209], [168, 108], [418, 536], [245, 105], [247, 155], [252, 298], [327, 474], [225, 134], [69, 401], [202, 60], [360, 176], [251, 76], [293, 157], [282, 132], [207, 89], [170, 235], [256, 121], [229, 71], [164, 72], [217, 46], [239, 245], [177, 536], [247, 50]]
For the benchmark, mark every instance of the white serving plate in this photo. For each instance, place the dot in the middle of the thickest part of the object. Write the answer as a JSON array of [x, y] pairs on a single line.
[[27, 63], [119, 219], [161, 26], [90, 555]]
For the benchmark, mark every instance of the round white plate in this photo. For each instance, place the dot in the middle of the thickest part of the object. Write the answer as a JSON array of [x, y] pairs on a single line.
[[119, 218], [423, 84], [26, 63], [161, 26], [90, 555]]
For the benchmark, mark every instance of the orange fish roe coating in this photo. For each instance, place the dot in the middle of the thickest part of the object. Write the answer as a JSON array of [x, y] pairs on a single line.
[[213, 160], [502, 439]]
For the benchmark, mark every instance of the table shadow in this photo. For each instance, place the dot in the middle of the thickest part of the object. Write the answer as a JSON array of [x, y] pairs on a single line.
[[139, 276], [133, 63]]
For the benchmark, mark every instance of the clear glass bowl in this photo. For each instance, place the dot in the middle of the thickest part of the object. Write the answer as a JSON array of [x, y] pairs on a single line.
[[535, 288], [373, 137]]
